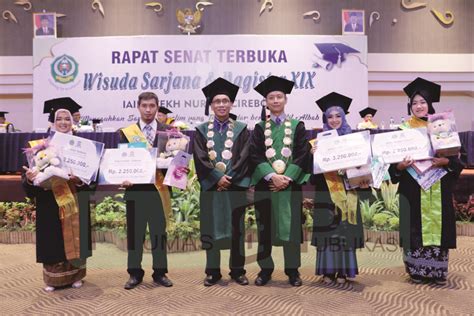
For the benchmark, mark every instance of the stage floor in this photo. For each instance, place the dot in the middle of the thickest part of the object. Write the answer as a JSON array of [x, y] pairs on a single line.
[[381, 288]]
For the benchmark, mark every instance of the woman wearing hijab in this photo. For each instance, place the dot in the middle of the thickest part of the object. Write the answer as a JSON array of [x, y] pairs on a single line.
[[427, 218], [62, 215], [337, 221]]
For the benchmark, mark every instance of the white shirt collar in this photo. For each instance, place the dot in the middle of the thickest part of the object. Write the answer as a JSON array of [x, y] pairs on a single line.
[[153, 125], [282, 117]]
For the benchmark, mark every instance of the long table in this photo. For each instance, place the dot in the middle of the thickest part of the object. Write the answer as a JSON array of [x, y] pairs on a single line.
[[12, 158]]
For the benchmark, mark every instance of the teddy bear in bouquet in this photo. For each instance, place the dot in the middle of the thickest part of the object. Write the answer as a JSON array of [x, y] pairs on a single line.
[[173, 146], [444, 138], [46, 160]]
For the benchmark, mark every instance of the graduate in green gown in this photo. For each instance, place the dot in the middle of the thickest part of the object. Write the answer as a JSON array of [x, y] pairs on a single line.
[[221, 152], [279, 152], [427, 218]]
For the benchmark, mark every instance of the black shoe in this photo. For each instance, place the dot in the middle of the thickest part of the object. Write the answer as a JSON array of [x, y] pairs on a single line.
[[341, 278], [295, 280], [416, 279], [261, 280], [241, 279], [441, 281], [163, 280], [132, 283], [210, 279]]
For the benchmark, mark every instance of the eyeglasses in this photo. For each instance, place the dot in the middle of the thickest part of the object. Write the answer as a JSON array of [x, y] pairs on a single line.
[[221, 101]]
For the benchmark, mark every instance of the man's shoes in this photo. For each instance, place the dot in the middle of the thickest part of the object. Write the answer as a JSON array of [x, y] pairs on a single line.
[[295, 280], [261, 280], [241, 279], [132, 283], [210, 279], [163, 280]]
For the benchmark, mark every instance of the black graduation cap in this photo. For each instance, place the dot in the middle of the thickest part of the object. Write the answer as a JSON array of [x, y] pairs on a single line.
[[334, 99], [164, 110], [219, 86], [429, 90], [367, 110], [96, 121], [2, 113], [335, 52], [51, 106], [273, 83]]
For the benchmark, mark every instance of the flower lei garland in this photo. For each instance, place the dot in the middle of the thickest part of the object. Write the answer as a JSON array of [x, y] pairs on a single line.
[[226, 154], [278, 164]]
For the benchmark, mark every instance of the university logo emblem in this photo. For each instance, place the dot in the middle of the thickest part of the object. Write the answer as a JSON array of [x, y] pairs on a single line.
[[64, 69]]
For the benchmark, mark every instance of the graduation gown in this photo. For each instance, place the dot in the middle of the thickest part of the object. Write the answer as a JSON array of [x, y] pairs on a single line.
[[285, 207], [49, 236], [410, 206], [328, 227], [217, 207]]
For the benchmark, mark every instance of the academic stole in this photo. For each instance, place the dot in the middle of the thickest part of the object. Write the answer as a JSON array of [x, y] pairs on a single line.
[[65, 196], [430, 201], [134, 134], [345, 201]]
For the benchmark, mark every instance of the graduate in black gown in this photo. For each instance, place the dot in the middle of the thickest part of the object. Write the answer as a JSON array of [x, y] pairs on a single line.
[[427, 218], [162, 116], [279, 157], [63, 236], [221, 153], [337, 221]]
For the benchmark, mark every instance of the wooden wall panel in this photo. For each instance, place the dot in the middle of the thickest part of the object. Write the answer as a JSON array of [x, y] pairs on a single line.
[[416, 31]]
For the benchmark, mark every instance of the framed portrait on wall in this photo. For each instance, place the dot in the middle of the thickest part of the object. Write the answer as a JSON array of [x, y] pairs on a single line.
[[353, 22], [44, 24]]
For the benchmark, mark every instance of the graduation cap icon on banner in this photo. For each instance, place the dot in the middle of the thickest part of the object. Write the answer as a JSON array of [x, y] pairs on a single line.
[[331, 54]]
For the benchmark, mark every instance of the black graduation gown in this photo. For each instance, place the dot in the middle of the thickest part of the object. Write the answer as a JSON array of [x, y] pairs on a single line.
[[410, 206], [49, 237], [328, 227]]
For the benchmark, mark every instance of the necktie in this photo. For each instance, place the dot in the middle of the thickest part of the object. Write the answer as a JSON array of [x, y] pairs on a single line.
[[149, 134], [278, 121]]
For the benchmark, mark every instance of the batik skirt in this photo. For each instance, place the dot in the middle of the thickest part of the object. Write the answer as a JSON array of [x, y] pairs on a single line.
[[427, 262], [64, 273]]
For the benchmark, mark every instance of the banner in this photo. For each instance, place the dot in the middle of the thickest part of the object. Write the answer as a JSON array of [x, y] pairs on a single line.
[[106, 74]]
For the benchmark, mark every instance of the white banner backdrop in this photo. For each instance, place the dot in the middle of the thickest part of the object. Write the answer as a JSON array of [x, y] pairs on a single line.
[[106, 74]]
